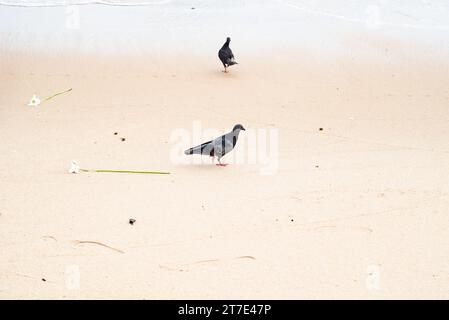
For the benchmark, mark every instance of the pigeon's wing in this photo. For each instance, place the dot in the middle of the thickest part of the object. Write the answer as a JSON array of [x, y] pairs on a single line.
[[226, 56], [223, 144], [230, 141], [230, 58], [222, 54], [231, 55], [206, 148]]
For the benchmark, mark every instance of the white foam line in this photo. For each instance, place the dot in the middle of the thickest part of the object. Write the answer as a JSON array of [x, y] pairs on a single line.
[[106, 3], [336, 16]]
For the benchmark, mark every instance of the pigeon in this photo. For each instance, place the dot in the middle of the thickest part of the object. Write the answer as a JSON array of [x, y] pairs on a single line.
[[226, 56], [219, 146]]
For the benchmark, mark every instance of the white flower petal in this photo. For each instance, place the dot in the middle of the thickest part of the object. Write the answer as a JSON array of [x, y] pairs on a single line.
[[74, 167], [35, 101]]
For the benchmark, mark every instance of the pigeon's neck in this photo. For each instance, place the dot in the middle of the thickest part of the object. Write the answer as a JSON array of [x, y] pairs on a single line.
[[236, 133], [226, 44], [235, 136]]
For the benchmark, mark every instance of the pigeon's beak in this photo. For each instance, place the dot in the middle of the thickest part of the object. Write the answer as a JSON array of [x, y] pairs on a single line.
[[243, 129]]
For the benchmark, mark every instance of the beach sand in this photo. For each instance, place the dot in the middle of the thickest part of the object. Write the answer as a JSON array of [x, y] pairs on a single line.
[[355, 210]]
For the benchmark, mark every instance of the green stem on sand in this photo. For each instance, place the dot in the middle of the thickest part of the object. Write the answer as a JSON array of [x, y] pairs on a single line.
[[57, 94], [127, 171]]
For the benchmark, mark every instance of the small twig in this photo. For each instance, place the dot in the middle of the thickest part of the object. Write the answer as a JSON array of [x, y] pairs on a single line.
[[49, 237], [206, 261], [126, 171], [77, 242], [246, 257], [57, 94], [30, 277]]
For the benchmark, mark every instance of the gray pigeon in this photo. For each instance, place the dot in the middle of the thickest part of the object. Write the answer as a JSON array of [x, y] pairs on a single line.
[[226, 56], [219, 146]]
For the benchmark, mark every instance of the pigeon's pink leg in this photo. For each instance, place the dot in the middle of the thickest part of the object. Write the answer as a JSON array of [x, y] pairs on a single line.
[[221, 164], [225, 70]]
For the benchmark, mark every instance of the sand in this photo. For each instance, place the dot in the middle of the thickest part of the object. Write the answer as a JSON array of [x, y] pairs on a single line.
[[355, 210]]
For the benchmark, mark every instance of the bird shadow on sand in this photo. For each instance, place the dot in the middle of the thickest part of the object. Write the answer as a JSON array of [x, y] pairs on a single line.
[[201, 166], [219, 74]]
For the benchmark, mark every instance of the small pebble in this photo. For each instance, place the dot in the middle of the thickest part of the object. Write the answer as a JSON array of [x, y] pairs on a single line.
[[43, 279], [123, 139], [321, 129], [131, 221], [115, 133]]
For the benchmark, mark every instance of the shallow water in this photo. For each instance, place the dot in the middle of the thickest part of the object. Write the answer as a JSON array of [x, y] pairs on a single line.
[[165, 27], [414, 14]]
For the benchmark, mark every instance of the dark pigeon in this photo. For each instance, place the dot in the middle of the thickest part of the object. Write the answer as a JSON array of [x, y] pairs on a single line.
[[226, 56], [219, 146]]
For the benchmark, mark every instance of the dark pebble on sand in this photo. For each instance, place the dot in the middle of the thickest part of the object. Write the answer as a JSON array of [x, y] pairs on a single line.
[[115, 133], [43, 279], [123, 139], [131, 221], [321, 129]]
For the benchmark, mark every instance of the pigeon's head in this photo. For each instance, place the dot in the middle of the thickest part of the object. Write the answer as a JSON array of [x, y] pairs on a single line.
[[228, 40], [237, 128]]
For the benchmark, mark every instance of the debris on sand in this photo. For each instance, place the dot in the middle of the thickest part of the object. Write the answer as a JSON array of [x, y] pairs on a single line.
[[35, 100], [246, 257], [78, 242], [74, 167], [132, 221]]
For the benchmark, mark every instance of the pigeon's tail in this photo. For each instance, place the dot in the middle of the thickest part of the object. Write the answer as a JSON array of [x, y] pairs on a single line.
[[190, 151], [198, 149], [231, 62]]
